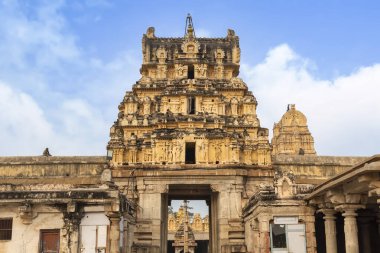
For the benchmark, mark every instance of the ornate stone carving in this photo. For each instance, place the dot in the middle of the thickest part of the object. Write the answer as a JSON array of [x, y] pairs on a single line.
[[284, 184], [201, 71], [219, 55], [188, 85], [150, 33], [161, 55], [26, 213], [180, 70]]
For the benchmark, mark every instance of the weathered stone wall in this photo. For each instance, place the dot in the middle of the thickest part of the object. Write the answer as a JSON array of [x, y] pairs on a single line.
[[54, 193], [314, 169], [38, 170], [25, 238]]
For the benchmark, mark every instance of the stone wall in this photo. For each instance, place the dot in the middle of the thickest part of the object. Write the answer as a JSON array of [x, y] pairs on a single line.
[[314, 169]]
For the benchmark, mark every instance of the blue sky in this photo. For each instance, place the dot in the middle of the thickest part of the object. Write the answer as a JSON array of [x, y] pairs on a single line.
[[65, 66], [338, 35]]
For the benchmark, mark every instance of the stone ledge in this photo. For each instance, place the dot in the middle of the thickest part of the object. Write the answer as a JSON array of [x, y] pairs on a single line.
[[317, 160], [20, 160]]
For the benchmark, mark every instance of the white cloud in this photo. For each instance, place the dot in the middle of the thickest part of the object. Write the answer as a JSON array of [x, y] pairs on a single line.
[[23, 126], [55, 94], [342, 113]]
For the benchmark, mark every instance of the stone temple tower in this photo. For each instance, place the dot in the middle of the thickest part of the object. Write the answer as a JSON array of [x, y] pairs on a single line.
[[189, 107], [188, 130], [291, 135]]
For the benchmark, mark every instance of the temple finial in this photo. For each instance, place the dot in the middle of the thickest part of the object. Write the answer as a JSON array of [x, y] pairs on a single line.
[[189, 27]]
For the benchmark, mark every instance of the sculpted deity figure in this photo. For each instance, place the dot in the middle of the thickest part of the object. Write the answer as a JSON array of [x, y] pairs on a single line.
[[180, 70], [219, 71], [201, 71], [150, 32], [161, 71], [161, 55]]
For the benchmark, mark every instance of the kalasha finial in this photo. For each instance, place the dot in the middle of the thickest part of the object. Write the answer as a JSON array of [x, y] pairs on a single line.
[[189, 27]]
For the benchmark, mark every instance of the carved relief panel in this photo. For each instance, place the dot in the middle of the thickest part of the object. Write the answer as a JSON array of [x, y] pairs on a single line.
[[234, 106], [161, 55], [219, 55], [130, 107], [190, 48], [219, 72], [147, 103], [174, 104], [200, 70], [180, 71], [209, 105], [161, 72]]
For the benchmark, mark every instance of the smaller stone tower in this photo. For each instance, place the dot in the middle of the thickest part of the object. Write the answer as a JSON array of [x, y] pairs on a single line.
[[184, 240], [291, 135]]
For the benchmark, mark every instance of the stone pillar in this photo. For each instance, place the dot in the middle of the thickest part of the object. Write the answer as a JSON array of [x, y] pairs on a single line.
[[125, 248], [350, 227], [214, 223], [114, 235], [150, 229], [264, 237], [230, 229], [311, 245], [330, 230]]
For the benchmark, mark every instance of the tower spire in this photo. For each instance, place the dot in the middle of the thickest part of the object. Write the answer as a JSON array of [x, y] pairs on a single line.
[[189, 27]]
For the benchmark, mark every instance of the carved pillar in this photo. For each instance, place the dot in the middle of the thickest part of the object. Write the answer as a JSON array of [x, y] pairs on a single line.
[[350, 227], [330, 230], [26, 213], [114, 235]]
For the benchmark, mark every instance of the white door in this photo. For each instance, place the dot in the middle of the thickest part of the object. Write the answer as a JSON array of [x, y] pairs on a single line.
[[94, 233], [88, 239], [93, 239], [296, 238]]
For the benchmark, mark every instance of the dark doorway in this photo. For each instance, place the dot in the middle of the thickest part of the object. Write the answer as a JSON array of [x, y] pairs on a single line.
[[340, 239], [190, 72], [191, 104], [202, 246], [170, 246], [49, 241], [320, 233], [190, 153]]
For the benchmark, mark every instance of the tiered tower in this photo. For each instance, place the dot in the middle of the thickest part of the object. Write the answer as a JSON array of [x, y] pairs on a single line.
[[189, 107], [291, 135]]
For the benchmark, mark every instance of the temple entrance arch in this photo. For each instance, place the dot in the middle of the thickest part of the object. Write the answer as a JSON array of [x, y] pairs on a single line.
[[206, 243], [221, 189]]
